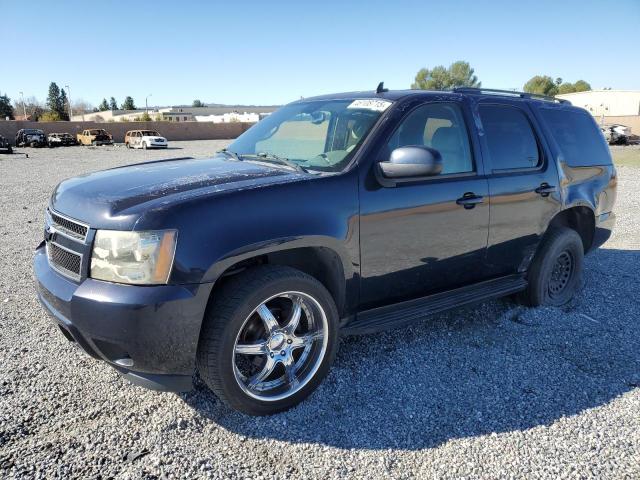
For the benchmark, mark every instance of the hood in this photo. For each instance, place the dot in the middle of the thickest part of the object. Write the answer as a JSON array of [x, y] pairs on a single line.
[[116, 198]]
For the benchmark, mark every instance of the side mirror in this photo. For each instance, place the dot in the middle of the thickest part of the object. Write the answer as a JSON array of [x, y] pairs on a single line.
[[412, 161]]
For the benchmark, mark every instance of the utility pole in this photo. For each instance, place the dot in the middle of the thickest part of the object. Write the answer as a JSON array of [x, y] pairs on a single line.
[[24, 109], [146, 105], [69, 101]]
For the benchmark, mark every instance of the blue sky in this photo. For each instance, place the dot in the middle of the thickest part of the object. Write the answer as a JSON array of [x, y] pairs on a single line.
[[270, 52]]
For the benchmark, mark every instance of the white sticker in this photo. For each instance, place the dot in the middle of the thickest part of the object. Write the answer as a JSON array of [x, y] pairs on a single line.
[[375, 104]]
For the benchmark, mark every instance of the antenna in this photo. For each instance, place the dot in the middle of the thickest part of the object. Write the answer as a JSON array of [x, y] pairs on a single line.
[[381, 88]]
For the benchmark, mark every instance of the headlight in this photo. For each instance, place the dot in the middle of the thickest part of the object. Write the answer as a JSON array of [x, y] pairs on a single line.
[[142, 258]]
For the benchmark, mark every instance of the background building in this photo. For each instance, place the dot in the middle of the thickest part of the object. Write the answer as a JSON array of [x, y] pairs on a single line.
[[610, 106], [219, 114]]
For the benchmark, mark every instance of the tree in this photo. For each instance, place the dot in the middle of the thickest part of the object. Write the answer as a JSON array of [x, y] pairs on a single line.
[[582, 86], [32, 106], [459, 74], [197, 103], [112, 104], [6, 109], [104, 106], [128, 104], [81, 106], [145, 117], [49, 116], [544, 85], [64, 102], [541, 85], [56, 100]]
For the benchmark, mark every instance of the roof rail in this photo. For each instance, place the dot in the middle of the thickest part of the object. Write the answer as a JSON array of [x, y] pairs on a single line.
[[495, 91]]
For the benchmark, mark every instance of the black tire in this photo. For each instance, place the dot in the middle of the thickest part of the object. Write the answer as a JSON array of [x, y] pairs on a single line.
[[556, 271], [127, 145], [226, 315]]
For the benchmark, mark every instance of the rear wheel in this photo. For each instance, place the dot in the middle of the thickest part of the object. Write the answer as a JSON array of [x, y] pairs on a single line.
[[269, 338], [556, 272]]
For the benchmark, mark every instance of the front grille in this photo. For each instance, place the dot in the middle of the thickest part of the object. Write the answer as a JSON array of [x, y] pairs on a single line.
[[69, 227], [64, 261]]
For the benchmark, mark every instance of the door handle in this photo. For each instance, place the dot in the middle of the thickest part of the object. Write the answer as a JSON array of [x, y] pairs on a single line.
[[545, 189], [469, 200]]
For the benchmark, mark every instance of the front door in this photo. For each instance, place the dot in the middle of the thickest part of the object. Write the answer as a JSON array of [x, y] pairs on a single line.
[[424, 236], [523, 184]]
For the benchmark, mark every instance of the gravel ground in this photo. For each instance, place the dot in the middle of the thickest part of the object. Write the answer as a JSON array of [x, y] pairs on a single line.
[[491, 391]]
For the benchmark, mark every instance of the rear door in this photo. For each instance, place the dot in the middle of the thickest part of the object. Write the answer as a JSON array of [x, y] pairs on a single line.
[[523, 183], [429, 234]]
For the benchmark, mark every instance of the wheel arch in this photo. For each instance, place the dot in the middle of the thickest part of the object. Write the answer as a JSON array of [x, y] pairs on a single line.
[[580, 218], [321, 261]]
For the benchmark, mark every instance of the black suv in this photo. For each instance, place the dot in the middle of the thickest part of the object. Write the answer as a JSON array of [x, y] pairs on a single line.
[[31, 137], [340, 214]]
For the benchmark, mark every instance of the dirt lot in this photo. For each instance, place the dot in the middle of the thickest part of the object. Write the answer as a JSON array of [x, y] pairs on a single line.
[[490, 391]]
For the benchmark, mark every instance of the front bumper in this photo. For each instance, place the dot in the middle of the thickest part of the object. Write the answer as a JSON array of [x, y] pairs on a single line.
[[147, 333]]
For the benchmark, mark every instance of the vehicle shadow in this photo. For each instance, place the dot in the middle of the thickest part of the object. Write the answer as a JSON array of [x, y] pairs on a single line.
[[493, 367]]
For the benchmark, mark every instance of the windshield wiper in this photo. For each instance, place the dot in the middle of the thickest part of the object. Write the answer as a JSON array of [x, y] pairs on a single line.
[[231, 154], [281, 160]]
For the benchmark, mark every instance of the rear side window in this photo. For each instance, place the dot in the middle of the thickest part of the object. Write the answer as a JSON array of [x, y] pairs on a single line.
[[511, 143], [577, 136]]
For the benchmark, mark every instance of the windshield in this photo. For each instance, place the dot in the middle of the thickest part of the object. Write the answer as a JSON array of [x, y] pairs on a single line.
[[150, 133], [318, 135]]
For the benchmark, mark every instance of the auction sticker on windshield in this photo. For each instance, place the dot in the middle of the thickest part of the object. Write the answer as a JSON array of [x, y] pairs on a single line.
[[375, 104]]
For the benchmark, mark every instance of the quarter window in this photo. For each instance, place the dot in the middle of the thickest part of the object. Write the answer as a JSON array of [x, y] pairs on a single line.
[[511, 143], [439, 126]]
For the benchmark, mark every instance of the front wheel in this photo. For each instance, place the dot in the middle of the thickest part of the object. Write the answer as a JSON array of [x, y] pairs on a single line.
[[144, 145], [269, 338], [555, 273]]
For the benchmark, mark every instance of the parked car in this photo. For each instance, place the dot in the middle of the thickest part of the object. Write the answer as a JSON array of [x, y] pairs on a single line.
[[5, 146], [341, 214], [144, 139], [61, 140], [31, 137], [95, 137], [616, 134]]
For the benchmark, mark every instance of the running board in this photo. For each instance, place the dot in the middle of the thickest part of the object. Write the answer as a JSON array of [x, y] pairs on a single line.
[[404, 313]]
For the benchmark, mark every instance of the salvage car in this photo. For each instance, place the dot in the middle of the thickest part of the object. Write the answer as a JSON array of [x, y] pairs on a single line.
[[5, 146], [31, 137], [144, 139], [95, 137], [616, 134], [335, 215], [61, 140]]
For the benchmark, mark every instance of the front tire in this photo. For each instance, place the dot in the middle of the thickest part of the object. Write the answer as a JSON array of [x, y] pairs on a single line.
[[269, 338], [555, 274], [144, 145]]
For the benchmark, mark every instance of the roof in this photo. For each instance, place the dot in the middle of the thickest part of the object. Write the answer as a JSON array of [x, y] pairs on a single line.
[[394, 95]]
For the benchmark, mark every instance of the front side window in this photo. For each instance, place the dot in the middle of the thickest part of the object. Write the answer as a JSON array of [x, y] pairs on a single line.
[[320, 135], [511, 143], [439, 126]]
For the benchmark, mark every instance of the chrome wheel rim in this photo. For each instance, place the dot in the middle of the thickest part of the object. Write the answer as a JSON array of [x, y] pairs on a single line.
[[280, 346], [561, 274]]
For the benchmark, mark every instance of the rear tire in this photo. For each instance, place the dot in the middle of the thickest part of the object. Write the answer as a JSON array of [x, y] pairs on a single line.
[[256, 309], [556, 272]]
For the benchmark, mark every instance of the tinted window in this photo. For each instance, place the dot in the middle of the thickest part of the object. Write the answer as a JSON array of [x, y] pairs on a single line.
[[578, 137], [510, 141], [440, 126]]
